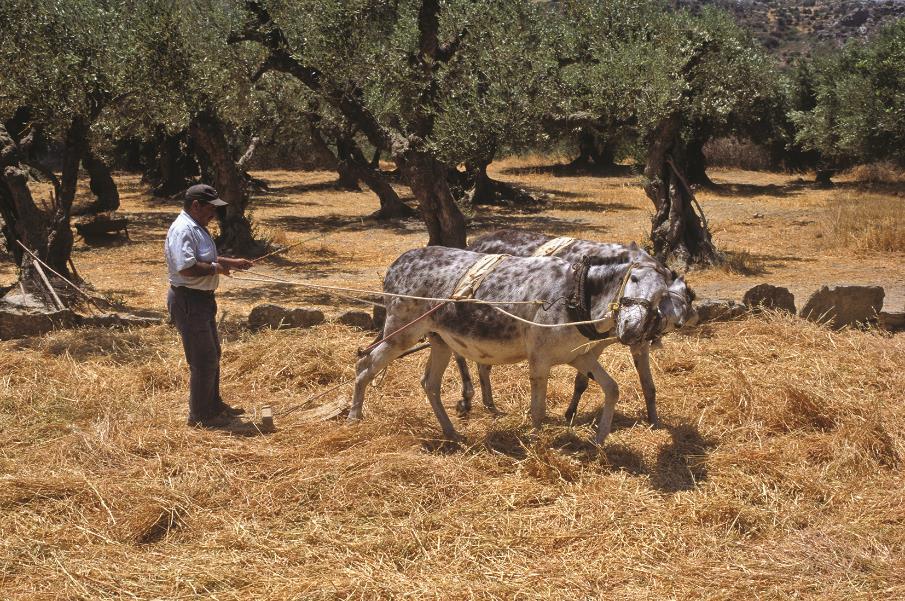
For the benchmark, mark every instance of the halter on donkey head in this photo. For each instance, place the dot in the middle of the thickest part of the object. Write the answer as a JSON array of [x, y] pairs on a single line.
[[579, 304]]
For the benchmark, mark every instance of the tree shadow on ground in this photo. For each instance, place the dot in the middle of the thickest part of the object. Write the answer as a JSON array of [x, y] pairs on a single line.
[[593, 206], [487, 221], [569, 170], [280, 293], [750, 264], [332, 185], [891, 188], [341, 223], [772, 190]]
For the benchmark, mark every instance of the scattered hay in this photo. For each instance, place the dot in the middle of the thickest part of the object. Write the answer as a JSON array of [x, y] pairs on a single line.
[[778, 473], [865, 222]]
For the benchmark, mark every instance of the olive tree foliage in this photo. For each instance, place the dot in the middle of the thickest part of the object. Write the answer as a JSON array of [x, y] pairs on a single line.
[[496, 95], [195, 87], [64, 63], [417, 79], [666, 82], [858, 112]]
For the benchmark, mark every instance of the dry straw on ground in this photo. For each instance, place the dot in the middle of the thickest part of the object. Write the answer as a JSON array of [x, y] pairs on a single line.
[[778, 474]]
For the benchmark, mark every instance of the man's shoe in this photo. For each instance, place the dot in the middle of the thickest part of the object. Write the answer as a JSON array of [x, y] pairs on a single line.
[[231, 411], [213, 422]]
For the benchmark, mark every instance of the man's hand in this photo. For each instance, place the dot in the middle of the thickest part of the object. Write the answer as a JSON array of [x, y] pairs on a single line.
[[231, 263]]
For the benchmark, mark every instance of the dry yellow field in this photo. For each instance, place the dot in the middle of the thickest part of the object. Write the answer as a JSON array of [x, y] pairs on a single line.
[[778, 473]]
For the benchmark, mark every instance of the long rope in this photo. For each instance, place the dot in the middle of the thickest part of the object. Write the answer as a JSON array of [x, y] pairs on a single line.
[[443, 301], [308, 284]]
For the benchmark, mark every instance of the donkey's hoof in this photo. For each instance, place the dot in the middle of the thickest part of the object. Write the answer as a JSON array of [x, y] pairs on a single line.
[[463, 407], [468, 393], [453, 437]]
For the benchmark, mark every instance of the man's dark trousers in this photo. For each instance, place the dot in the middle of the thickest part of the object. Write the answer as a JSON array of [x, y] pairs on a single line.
[[194, 314]]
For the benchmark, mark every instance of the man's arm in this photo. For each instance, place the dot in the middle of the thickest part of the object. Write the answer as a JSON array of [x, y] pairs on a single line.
[[231, 263], [222, 265], [201, 268]]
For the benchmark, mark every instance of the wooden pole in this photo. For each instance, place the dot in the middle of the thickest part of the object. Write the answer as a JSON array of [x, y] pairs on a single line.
[[53, 293], [54, 272]]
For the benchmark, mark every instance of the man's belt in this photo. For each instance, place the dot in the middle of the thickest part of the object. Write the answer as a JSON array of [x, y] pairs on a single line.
[[192, 290]]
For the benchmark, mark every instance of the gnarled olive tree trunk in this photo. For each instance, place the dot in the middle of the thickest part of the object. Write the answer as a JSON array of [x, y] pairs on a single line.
[[102, 185], [43, 231], [678, 232], [209, 134], [60, 238], [427, 178], [169, 165]]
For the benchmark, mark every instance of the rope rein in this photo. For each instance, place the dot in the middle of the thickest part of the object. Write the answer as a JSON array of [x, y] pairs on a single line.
[[545, 304]]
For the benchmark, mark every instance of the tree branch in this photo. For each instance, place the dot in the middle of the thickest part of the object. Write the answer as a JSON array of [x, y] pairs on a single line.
[[280, 59]]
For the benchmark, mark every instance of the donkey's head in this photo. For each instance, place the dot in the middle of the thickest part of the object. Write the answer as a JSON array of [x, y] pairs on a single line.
[[639, 305], [676, 310]]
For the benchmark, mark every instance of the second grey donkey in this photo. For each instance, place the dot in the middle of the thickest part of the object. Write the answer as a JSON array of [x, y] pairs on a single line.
[[675, 309]]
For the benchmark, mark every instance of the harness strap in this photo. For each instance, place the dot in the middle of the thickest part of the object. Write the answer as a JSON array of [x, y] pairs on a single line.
[[551, 247], [472, 279], [579, 305]]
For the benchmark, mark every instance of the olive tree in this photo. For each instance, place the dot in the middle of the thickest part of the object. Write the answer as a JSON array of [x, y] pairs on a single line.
[[196, 98], [858, 111], [65, 63], [430, 84]]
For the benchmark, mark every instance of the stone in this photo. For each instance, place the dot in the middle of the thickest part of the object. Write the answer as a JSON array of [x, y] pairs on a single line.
[[767, 296], [275, 316], [892, 321], [844, 305], [17, 323], [718, 309], [356, 319]]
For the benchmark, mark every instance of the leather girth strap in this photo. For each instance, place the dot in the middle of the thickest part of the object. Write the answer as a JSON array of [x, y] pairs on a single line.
[[579, 306]]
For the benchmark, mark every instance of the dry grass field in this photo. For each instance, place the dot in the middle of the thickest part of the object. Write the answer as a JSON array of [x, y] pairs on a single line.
[[778, 474]]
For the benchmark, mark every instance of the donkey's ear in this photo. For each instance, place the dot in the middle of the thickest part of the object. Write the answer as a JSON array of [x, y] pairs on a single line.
[[633, 246]]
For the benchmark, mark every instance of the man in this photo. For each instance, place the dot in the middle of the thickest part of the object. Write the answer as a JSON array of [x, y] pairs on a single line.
[[194, 272]]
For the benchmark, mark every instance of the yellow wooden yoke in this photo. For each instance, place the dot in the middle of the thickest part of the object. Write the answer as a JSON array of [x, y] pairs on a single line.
[[551, 247], [472, 279]]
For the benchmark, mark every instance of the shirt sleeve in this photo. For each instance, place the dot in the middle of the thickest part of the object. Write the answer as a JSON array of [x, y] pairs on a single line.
[[183, 250]]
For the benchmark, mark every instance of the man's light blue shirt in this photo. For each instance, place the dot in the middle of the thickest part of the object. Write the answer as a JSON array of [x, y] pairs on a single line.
[[188, 243]]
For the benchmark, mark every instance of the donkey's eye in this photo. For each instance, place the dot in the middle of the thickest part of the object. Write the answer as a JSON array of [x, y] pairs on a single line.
[[634, 279]]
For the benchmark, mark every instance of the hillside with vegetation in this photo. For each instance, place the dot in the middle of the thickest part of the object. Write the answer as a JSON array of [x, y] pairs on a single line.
[[796, 27]]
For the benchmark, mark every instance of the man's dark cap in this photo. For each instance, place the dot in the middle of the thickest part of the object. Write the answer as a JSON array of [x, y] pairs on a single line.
[[204, 193]]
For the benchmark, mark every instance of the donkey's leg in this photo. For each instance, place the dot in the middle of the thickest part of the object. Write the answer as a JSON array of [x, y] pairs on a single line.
[[433, 378], [371, 364], [641, 358], [581, 384], [588, 364], [486, 390], [540, 373], [464, 405]]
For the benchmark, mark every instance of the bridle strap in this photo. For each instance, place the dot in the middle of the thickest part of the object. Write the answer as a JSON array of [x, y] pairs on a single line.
[[579, 305]]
